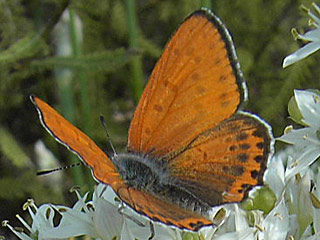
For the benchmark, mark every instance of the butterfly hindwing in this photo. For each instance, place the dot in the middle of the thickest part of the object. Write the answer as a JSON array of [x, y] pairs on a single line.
[[224, 162], [161, 211]]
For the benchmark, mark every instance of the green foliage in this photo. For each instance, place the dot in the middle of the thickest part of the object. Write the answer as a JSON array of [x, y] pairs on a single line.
[[22, 49], [106, 61], [95, 76], [11, 149], [35, 188]]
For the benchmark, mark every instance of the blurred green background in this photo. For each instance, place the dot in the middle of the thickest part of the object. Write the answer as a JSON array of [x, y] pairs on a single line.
[[88, 57]]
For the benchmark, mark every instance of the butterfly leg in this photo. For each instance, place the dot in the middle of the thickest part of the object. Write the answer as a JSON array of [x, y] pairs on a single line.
[[151, 231], [136, 221], [103, 190]]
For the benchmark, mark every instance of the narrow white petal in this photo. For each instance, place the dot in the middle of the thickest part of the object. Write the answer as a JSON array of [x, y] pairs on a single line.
[[301, 53], [302, 161], [302, 137], [311, 36]]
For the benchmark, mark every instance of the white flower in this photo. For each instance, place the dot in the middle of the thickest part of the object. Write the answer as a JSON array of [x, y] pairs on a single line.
[[79, 220], [294, 167], [305, 140], [313, 231], [235, 227], [275, 226], [313, 37], [100, 218]]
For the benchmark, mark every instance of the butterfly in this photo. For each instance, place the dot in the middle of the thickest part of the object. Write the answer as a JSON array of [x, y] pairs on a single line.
[[190, 147]]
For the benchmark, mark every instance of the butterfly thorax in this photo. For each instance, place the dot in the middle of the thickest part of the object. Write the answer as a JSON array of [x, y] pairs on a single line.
[[152, 176]]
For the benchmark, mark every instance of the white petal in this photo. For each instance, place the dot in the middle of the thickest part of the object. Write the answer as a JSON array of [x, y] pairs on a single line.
[[125, 232], [316, 211], [131, 229], [208, 232], [301, 137], [107, 219], [313, 237], [312, 36], [301, 53], [81, 203], [75, 221], [104, 191], [274, 175], [304, 202], [302, 161], [309, 106], [276, 224], [240, 219], [316, 220], [245, 234], [163, 232], [43, 218]]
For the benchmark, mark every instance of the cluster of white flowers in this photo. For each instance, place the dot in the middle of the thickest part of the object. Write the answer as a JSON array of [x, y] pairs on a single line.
[[292, 174], [313, 37], [102, 218]]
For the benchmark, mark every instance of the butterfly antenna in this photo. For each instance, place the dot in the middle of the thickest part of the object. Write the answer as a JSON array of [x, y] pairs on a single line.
[[45, 172], [108, 136]]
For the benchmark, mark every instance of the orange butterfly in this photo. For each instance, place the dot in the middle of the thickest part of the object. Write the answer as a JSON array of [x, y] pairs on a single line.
[[189, 146]]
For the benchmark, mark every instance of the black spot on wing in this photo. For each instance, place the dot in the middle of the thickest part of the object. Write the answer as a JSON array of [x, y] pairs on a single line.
[[243, 157], [244, 146], [242, 136]]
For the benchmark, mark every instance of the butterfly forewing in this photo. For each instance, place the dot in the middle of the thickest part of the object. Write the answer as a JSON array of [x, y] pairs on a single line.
[[78, 142], [195, 85]]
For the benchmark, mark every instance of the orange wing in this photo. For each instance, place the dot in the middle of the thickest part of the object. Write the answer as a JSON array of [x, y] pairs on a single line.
[[223, 163], [161, 211], [194, 86], [76, 141]]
